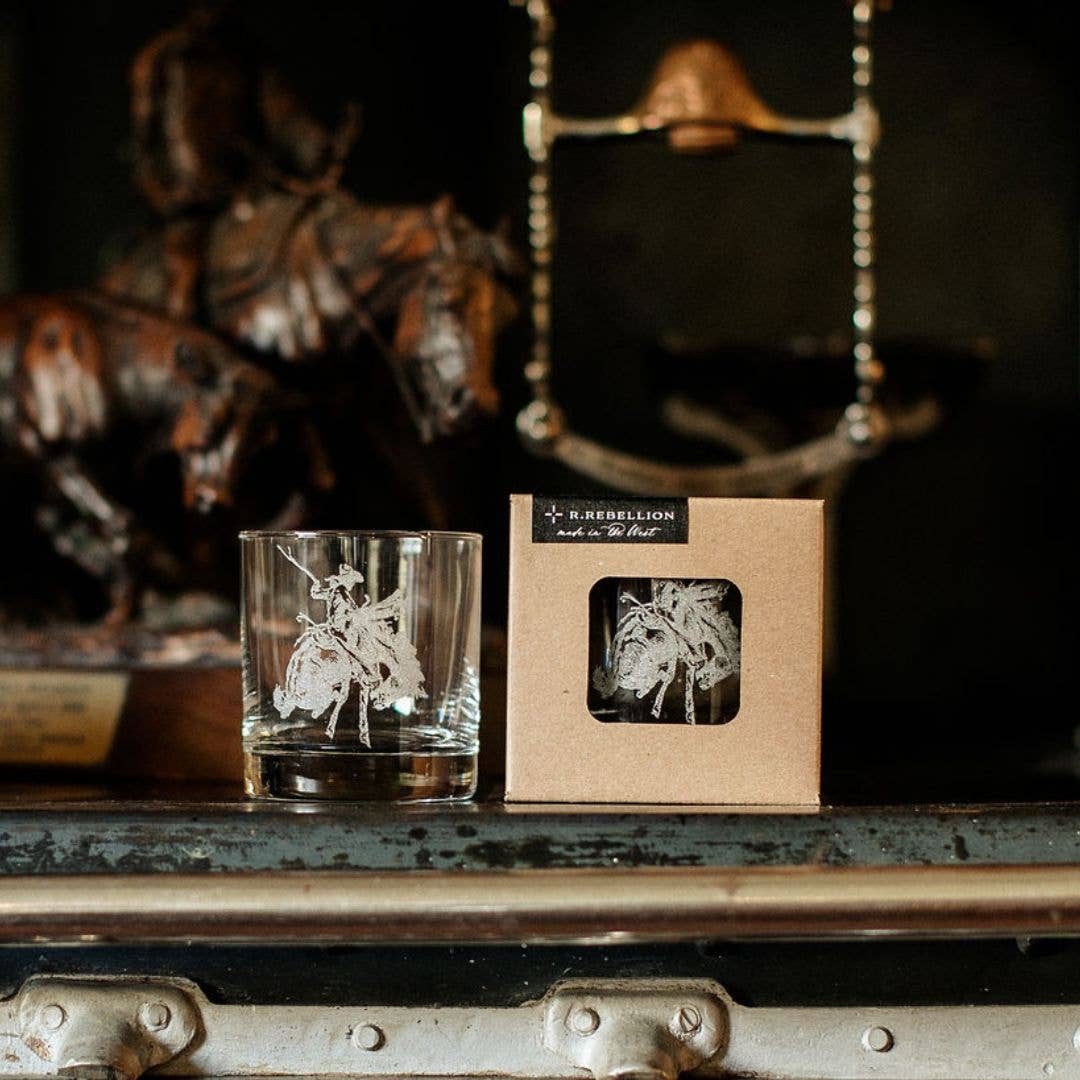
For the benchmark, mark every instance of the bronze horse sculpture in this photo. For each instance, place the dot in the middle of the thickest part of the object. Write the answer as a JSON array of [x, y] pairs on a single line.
[[251, 313], [79, 374]]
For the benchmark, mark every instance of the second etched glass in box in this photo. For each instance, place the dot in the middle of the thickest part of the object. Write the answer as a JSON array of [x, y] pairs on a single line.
[[664, 650]]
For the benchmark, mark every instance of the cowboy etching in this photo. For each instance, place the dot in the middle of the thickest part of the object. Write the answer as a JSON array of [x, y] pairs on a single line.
[[357, 642]]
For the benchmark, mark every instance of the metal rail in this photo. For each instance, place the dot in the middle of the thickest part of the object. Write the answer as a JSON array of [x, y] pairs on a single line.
[[653, 904]]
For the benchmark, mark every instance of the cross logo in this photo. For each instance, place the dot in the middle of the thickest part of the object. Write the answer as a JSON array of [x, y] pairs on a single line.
[[553, 514]]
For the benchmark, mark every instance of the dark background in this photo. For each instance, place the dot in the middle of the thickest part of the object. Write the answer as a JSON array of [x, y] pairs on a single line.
[[957, 643]]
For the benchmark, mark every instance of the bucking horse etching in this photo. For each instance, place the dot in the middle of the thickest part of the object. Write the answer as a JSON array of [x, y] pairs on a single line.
[[357, 642], [682, 625]]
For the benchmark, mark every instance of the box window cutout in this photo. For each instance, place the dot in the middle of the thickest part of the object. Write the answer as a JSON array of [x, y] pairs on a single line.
[[663, 651]]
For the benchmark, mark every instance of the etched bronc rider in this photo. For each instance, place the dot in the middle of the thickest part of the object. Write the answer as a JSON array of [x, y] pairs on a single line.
[[358, 643], [336, 591]]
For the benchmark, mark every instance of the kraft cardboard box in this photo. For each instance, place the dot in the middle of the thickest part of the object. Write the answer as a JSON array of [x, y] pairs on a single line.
[[665, 651]]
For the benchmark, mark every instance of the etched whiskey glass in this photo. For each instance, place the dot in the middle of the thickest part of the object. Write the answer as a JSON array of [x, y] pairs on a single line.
[[361, 657], [664, 651]]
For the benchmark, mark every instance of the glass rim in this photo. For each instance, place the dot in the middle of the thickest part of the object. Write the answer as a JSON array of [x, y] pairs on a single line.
[[358, 534]]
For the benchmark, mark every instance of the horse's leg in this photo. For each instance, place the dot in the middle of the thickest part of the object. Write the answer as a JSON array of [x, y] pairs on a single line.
[[283, 701], [106, 559], [339, 701], [365, 727], [689, 675], [665, 682]]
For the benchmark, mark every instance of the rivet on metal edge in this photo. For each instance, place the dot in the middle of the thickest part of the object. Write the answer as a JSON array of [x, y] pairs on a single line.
[[155, 1015], [53, 1016], [584, 1021], [688, 1020], [878, 1039], [367, 1037]]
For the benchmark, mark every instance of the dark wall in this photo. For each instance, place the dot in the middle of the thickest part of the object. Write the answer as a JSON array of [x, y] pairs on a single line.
[[957, 586]]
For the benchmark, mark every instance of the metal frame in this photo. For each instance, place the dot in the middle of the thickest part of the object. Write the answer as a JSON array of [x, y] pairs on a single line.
[[44, 836], [863, 427], [117, 1028], [543, 906]]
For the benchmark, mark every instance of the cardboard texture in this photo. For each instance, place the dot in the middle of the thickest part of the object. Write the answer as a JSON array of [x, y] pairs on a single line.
[[770, 753]]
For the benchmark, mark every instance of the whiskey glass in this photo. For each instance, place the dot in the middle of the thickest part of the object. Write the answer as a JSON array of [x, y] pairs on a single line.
[[663, 651], [361, 664]]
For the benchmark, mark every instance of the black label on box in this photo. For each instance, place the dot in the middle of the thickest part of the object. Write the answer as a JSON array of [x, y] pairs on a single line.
[[573, 520]]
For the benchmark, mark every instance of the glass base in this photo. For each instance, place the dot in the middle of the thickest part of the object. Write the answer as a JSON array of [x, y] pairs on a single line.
[[365, 775]]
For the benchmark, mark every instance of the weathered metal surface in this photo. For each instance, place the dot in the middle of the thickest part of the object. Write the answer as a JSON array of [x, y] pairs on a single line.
[[99, 1029], [146, 837], [647, 1029]]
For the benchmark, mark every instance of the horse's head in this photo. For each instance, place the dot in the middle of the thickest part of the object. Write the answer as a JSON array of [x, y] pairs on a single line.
[[446, 335], [222, 422], [449, 322]]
